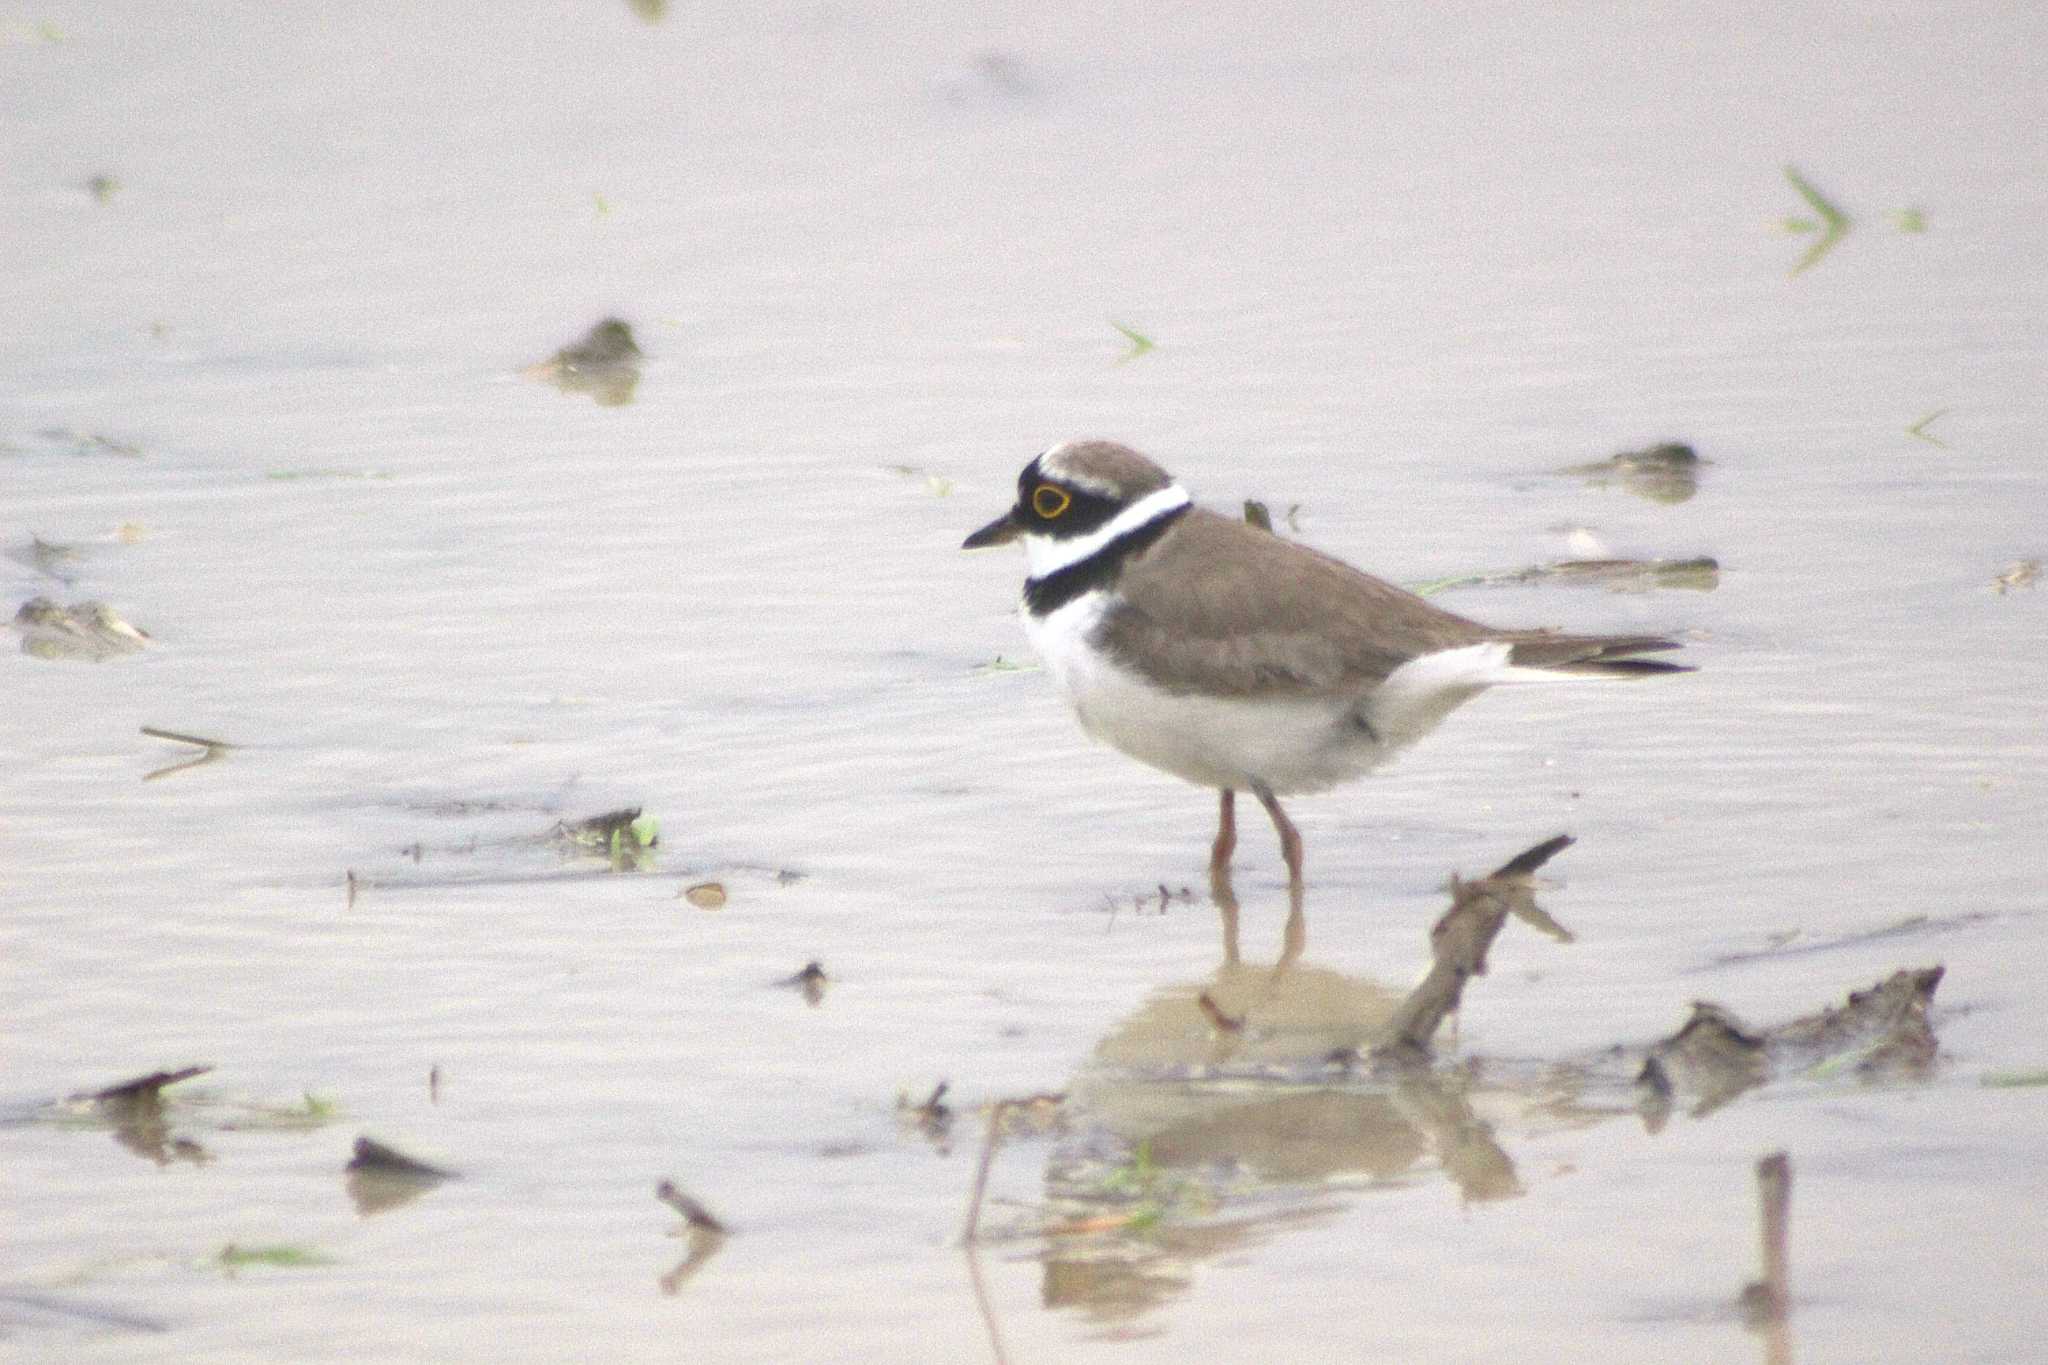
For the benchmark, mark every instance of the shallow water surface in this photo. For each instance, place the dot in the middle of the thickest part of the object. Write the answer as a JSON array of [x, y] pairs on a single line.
[[276, 290]]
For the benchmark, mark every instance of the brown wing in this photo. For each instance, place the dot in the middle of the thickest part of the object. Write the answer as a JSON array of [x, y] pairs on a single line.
[[1223, 607]]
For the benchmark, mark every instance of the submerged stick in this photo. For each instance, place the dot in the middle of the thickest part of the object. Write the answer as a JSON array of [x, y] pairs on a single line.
[[154, 733], [694, 1213], [210, 751], [998, 1111], [706, 1233], [1460, 941], [1769, 1300], [985, 1305], [146, 1089], [375, 1158]]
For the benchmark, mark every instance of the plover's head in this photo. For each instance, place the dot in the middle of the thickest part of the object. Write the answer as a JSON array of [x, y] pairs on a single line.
[[1076, 498]]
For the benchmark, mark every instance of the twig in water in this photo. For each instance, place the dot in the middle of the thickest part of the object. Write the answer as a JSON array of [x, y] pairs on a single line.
[[998, 1111], [1767, 1303], [1459, 943], [983, 1302], [214, 749], [154, 733], [934, 1117], [706, 1233], [694, 1213], [375, 1158], [146, 1088], [810, 982]]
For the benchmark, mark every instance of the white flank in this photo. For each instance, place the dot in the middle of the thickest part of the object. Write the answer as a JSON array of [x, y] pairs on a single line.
[[1290, 746], [1046, 555], [1420, 693]]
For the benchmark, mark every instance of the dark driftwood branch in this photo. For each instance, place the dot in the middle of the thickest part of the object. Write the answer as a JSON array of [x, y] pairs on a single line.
[[376, 1158], [145, 1089], [1460, 941], [1880, 1033]]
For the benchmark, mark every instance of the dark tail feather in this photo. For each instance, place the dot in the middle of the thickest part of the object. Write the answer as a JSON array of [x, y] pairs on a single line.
[[1607, 655]]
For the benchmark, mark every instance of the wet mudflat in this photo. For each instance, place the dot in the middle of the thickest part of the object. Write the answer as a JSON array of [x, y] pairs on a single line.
[[503, 689]]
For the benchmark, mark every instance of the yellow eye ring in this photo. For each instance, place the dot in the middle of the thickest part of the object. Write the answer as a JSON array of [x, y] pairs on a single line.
[[1049, 501]]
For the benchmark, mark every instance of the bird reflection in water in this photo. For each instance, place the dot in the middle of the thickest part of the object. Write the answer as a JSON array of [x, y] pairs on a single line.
[[1249, 1083]]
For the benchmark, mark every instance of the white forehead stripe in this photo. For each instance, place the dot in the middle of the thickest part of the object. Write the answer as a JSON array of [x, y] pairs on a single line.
[[1046, 555], [1051, 462]]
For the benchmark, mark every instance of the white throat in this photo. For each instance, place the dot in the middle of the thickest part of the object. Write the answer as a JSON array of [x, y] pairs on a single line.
[[1046, 555]]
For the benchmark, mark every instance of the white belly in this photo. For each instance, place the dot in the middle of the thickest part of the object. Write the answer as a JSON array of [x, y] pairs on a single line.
[[1286, 745]]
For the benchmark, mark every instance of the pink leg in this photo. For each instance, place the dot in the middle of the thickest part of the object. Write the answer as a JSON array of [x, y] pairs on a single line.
[[1226, 838], [1290, 837], [1219, 873]]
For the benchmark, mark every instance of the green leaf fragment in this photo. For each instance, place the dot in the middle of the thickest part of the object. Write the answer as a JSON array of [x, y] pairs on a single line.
[[1835, 223], [2012, 1080], [1919, 428], [282, 1255], [1819, 202], [1140, 343]]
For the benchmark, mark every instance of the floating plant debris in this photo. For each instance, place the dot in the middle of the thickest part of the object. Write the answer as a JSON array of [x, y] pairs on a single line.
[[1919, 429], [87, 442], [1833, 224], [1668, 471], [2021, 573], [811, 982], [1880, 1033], [51, 560], [381, 1178], [625, 836], [605, 364], [372, 1155], [89, 632], [932, 1116], [282, 1256], [1699, 574], [1140, 343]]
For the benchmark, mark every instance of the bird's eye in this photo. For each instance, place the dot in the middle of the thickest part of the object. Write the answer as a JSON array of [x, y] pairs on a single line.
[[1049, 501]]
